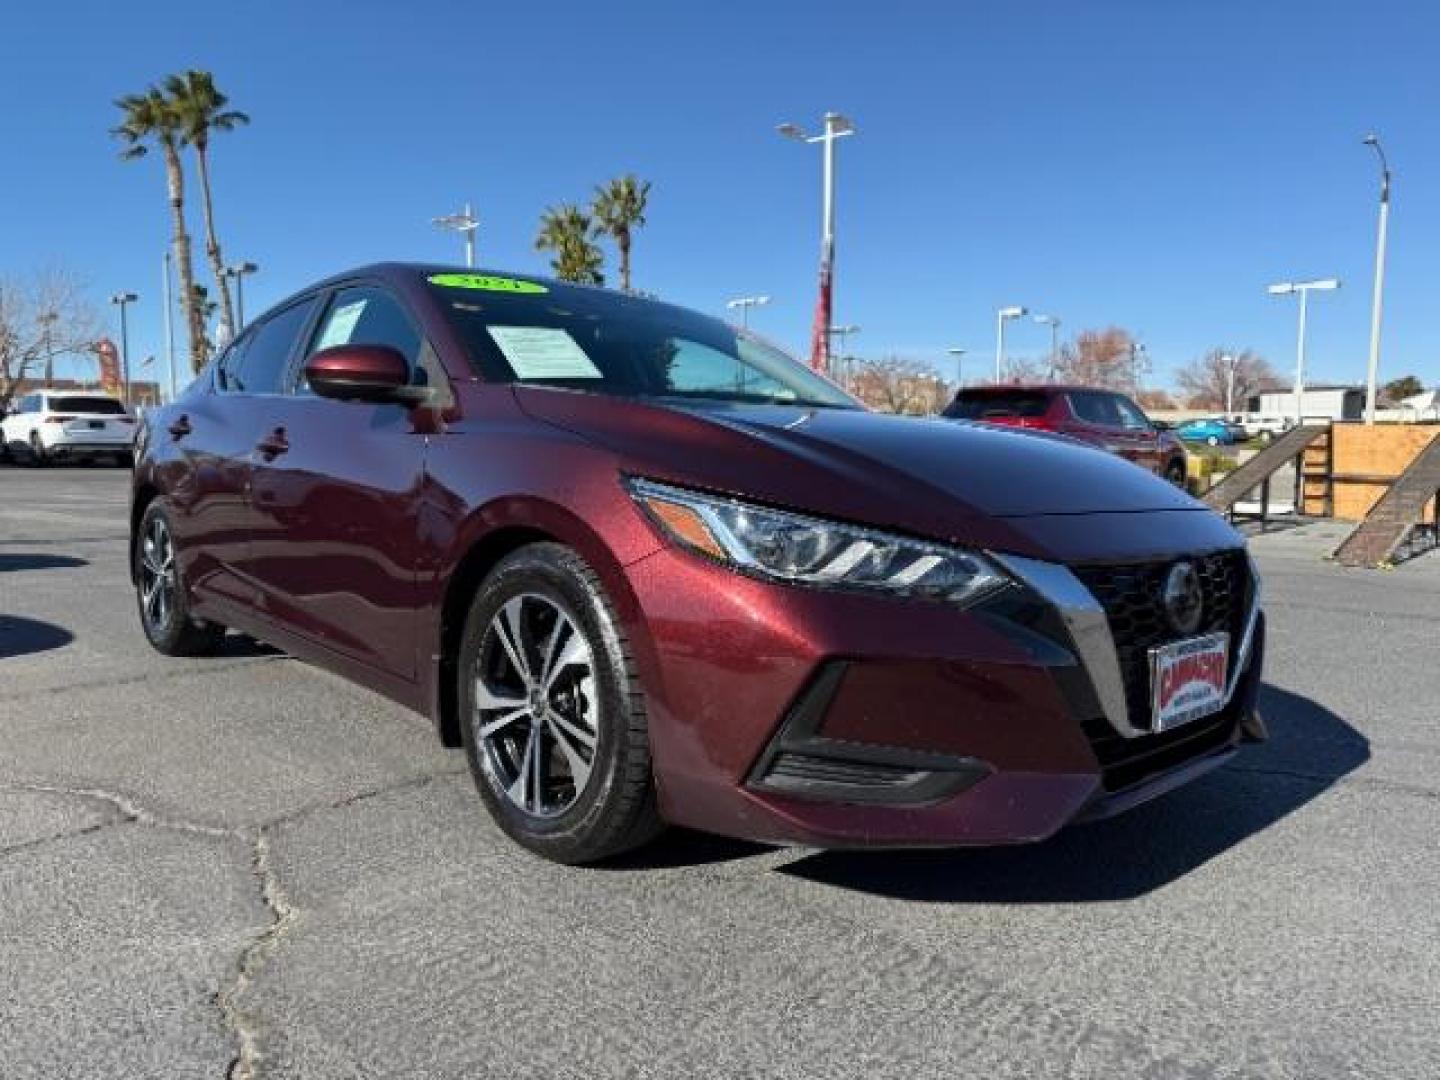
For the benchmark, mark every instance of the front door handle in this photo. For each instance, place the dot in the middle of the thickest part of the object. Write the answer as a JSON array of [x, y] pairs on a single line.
[[181, 427], [273, 445]]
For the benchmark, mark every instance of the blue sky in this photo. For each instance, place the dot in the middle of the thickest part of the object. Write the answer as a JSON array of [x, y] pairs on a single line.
[[1147, 164]]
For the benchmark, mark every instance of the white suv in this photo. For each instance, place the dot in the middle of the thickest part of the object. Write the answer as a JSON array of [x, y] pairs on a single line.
[[51, 424]]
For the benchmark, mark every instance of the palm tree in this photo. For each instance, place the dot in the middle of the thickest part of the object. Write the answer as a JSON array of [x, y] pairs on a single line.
[[565, 232], [146, 118], [200, 108], [619, 209]]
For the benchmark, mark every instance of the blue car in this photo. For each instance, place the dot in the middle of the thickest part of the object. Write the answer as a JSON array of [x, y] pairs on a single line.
[[1209, 432]]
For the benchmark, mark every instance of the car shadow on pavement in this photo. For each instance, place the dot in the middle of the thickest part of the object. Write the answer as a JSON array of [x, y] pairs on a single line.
[[20, 636], [1310, 749], [26, 560]]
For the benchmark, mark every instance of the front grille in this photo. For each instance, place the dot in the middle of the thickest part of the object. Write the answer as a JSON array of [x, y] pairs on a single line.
[[1131, 595], [806, 768], [1126, 762]]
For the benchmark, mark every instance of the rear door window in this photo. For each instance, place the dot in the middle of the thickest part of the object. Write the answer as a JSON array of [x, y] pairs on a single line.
[[266, 351], [1096, 409]]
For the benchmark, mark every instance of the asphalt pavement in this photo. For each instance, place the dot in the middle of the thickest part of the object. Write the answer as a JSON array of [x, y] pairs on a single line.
[[243, 866]]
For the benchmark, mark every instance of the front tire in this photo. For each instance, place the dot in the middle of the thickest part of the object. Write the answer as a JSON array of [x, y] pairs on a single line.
[[551, 711], [160, 591], [37, 455]]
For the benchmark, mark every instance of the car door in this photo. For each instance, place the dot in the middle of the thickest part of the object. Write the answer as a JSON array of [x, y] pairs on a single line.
[[336, 493], [215, 435], [1141, 434]]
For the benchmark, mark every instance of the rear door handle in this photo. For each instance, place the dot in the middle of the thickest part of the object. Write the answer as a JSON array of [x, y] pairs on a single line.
[[181, 427], [273, 445]]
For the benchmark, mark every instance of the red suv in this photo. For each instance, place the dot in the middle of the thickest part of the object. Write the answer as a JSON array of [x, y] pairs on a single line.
[[1101, 418], [644, 568]]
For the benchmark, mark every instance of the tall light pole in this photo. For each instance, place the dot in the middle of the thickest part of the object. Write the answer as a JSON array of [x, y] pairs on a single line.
[[1377, 302], [1054, 324], [464, 223], [170, 326], [744, 304], [959, 355], [238, 272], [1002, 316], [122, 300], [1228, 359], [1304, 288], [836, 127]]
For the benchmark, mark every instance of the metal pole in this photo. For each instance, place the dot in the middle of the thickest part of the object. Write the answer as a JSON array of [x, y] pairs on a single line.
[[240, 298], [999, 344], [1300, 361], [1378, 300], [827, 237], [1054, 347], [125, 352], [169, 328], [1229, 384], [469, 239]]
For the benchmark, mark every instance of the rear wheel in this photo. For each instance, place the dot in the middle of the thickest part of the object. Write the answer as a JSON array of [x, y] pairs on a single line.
[[37, 455], [1175, 473], [552, 715], [160, 592]]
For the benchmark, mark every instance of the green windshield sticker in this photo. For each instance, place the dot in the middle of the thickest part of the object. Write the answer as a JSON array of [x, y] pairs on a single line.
[[486, 282]]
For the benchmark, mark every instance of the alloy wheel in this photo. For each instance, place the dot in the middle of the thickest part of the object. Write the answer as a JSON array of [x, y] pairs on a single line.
[[536, 715], [157, 574]]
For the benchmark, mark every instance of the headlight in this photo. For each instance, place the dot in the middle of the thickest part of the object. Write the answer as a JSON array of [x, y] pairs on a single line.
[[805, 550]]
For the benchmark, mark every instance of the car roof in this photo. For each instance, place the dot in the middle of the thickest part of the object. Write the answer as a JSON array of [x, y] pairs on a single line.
[[1040, 388]]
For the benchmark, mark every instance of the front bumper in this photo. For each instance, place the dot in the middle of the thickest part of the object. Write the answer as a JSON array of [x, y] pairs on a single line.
[[797, 716]]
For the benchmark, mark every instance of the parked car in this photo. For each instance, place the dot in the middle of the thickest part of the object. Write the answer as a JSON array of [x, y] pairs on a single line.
[[1266, 428], [1211, 432], [644, 568], [50, 425], [1101, 418]]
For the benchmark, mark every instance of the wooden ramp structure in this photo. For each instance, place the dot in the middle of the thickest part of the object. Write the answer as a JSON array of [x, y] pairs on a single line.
[[1401, 510], [1257, 471]]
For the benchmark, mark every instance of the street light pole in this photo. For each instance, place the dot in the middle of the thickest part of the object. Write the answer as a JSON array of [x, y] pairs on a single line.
[[238, 272], [1229, 361], [1054, 324], [836, 127], [1304, 288], [1377, 302], [959, 355], [47, 319], [1002, 316], [122, 300], [464, 223], [170, 327], [744, 304]]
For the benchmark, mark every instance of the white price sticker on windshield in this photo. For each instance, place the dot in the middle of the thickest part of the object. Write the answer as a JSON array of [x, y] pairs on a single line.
[[540, 352]]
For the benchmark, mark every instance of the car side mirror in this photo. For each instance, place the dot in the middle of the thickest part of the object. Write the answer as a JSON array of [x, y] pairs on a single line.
[[362, 373]]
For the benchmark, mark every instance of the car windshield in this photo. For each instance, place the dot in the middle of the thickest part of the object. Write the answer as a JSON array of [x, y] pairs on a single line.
[[93, 405], [623, 346], [983, 404]]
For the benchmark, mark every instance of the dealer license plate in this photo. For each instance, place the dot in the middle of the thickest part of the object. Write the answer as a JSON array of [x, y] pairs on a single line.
[[1187, 680]]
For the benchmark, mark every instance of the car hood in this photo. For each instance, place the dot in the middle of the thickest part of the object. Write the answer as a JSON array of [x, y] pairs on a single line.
[[933, 476]]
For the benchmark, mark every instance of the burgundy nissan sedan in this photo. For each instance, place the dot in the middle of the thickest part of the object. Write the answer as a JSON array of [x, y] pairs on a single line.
[[646, 569]]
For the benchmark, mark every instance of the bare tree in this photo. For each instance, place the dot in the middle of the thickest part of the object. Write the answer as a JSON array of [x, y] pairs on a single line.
[[1111, 359], [42, 315], [1205, 381], [899, 385]]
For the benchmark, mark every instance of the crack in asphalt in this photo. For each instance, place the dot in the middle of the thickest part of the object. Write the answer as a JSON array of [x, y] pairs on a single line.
[[216, 666], [283, 915]]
